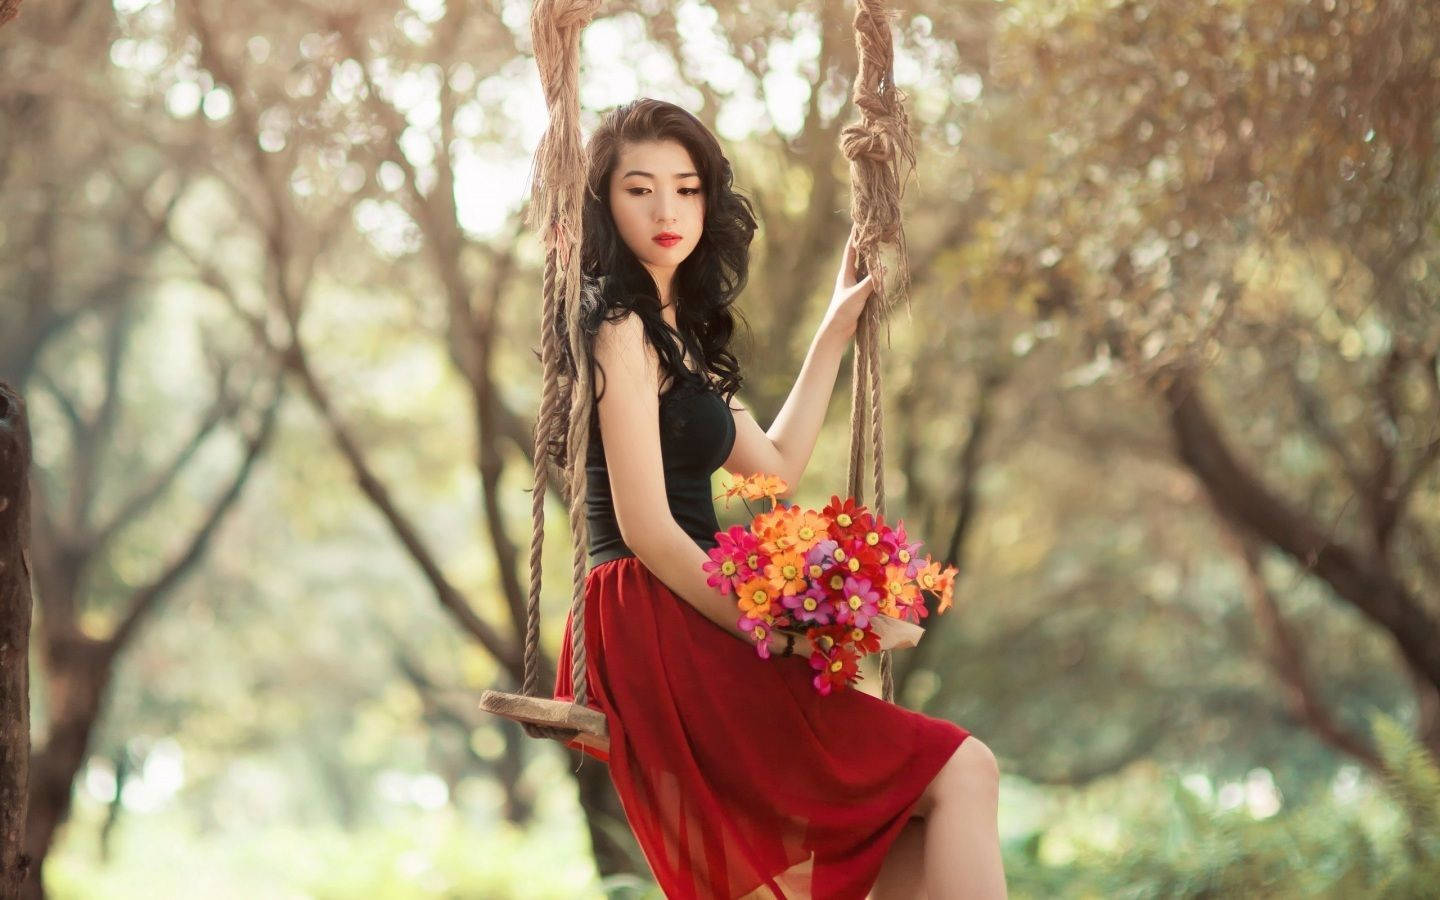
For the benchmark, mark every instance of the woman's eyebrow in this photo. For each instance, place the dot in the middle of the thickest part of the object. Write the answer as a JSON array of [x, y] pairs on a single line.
[[651, 175]]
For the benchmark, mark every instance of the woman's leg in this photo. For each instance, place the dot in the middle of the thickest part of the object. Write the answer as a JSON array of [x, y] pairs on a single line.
[[962, 838], [902, 874]]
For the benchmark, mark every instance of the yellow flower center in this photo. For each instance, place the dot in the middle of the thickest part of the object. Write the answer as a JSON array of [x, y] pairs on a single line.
[[753, 560], [858, 634], [844, 520], [810, 604], [872, 538], [905, 556], [806, 532], [836, 666], [760, 598], [816, 570], [790, 572], [826, 642], [853, 564], [839, 555], [728, 567], [856, 601], [760, 633], [836, 582]]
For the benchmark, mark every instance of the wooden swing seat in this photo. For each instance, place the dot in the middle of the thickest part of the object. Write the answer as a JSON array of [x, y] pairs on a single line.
[[592, 730]]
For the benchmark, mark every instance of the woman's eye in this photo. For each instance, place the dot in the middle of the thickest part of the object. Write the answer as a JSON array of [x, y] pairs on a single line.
[[632, 191]]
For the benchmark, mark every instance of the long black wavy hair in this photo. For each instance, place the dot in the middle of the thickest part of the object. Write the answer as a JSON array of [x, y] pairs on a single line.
[[613, 281]]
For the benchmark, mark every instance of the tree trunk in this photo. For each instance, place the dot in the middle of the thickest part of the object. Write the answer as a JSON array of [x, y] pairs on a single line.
[[14, 637], [79, 670]]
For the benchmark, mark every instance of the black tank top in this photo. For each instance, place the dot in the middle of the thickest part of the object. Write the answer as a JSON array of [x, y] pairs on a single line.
[[697, 432]]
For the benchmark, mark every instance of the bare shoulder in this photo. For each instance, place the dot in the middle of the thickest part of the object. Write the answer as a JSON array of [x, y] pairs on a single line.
[[629, 412], [624, 354]]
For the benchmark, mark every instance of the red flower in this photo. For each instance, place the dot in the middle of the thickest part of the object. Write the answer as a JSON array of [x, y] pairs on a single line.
[[844, 514], [854, 558], [864, 640], [837, 671]]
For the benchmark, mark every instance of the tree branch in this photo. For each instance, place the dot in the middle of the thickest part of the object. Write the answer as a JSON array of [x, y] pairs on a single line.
[[1247, 502], [145, 599]]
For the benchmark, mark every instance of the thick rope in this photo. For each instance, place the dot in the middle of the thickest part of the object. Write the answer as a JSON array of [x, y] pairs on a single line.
[[557, 194], [877, 441], [549, 366], [876, 146], [859, 376]]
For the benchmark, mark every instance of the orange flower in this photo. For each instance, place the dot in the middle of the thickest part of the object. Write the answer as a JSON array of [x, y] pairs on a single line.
[[755, 597], [753, 487], [775, 529], [731, 490], [786, 572], [809, 529], [938, 581], [946, 582], [764, 486], [900, 588]]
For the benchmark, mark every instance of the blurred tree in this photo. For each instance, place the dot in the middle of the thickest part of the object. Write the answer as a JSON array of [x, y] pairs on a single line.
[[1110, 194], [1265, 173], [93, 218]]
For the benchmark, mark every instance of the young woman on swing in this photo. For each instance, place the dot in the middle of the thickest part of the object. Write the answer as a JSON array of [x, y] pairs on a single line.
[[737, 777]]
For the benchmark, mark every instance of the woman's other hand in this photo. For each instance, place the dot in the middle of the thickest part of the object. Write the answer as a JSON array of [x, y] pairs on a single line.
[[848, 299]]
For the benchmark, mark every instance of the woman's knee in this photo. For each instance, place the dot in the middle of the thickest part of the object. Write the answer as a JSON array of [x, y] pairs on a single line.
[[972, 768]]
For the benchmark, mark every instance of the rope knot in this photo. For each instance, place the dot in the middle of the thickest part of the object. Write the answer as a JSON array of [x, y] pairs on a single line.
[[870, 140]]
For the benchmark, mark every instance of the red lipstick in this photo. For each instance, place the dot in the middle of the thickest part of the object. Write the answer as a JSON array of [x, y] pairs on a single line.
[[667, 238]]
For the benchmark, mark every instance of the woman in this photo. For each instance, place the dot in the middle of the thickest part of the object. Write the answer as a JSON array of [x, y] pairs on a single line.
[[736, 776]]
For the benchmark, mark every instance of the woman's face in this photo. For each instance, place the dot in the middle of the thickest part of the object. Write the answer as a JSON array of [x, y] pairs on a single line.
[[654, 190]]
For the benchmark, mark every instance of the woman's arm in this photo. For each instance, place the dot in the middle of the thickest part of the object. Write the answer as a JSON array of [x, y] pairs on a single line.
[[629, 412], [677, 561], [785, 448]]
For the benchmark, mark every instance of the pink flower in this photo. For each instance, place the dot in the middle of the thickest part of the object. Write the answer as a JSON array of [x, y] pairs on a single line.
[[740, 545], [811, 606], [760, 632], [903, 550], [724, 571], [859, 602]]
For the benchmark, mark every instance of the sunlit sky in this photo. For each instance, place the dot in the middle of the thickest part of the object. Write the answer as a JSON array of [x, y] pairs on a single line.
[[492, 176]]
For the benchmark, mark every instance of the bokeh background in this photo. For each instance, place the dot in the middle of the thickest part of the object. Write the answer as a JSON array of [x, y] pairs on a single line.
[[1166, 392]]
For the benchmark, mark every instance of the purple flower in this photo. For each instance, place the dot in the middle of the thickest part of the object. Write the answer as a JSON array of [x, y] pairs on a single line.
[[811, 606], [822, 553]]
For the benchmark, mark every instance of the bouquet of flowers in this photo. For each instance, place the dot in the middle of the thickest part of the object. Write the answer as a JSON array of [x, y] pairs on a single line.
[[840, 576]]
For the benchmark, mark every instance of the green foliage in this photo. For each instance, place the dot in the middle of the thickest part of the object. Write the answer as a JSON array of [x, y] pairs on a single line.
[[1381, 840]]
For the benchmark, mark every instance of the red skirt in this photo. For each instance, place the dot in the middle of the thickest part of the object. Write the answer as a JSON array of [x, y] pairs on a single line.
[[736, 776]]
